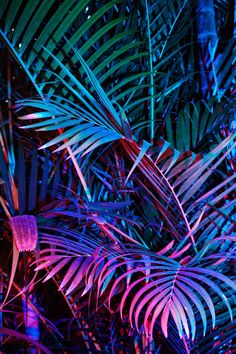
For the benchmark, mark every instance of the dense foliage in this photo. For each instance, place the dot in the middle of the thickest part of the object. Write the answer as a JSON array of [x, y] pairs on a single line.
[[117, 176]]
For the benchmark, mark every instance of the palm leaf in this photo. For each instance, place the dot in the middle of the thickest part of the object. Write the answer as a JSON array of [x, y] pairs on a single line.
[[170, 290], [195, 123], [192, 174], [26, 43]]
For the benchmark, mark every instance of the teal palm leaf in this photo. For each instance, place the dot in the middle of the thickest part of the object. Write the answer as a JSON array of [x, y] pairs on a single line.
[[97, 31]]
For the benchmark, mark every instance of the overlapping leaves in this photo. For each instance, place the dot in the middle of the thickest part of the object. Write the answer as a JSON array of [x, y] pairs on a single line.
[[153, 287], [176, 184], [176, 179]]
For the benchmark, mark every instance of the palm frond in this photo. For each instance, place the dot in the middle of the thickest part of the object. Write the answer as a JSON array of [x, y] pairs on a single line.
[[169, 290]]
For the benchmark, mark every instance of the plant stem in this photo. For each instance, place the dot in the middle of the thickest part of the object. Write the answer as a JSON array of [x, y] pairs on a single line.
[[152, 102]]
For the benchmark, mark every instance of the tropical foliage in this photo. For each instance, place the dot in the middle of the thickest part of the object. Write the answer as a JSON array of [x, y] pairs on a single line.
[[117, 167]]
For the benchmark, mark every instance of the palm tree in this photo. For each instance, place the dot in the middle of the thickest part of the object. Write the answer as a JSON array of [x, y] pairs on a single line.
[[127, 208]]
